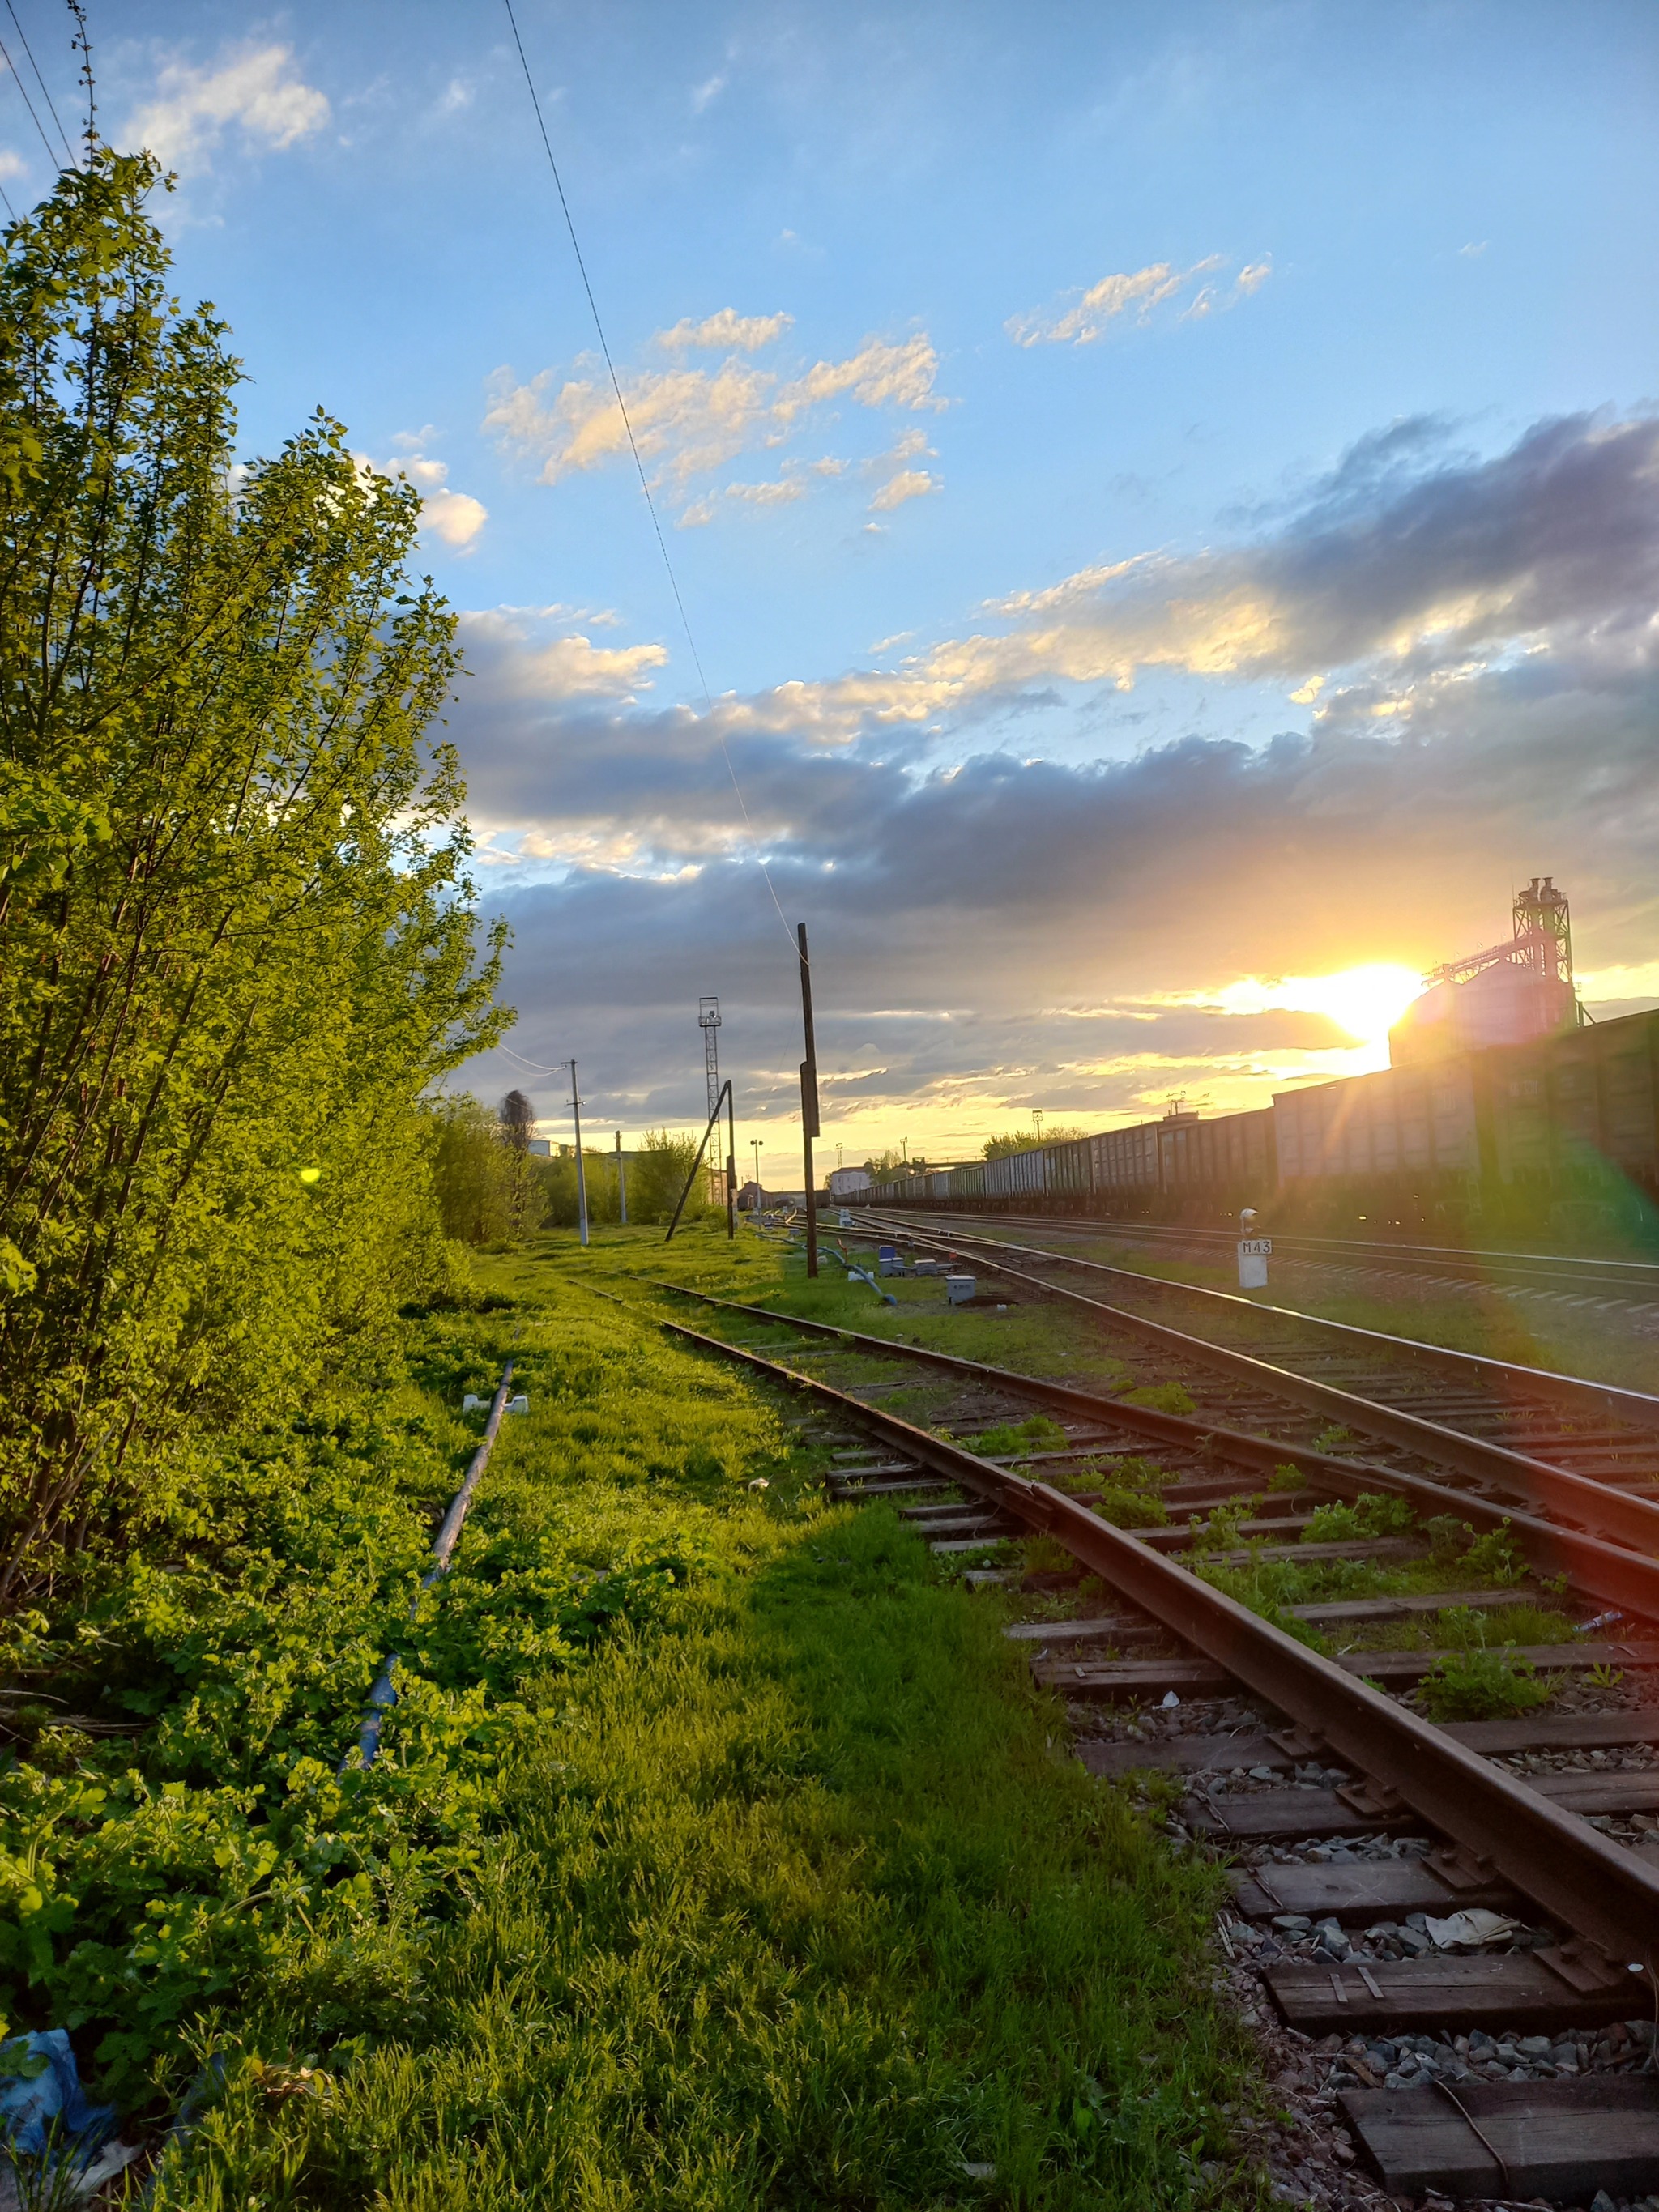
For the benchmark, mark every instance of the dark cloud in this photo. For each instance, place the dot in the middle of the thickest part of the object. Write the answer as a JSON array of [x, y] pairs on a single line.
[[1490, 628]]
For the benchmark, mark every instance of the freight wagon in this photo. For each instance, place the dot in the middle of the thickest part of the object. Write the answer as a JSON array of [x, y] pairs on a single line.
[[1561, 1134]]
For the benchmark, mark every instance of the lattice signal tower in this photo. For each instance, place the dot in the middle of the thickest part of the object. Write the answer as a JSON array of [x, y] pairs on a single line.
[[708, 1021]]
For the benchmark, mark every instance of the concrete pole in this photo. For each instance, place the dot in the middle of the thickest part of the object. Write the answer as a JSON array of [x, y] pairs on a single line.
[[621, 1183], [581, 1179]]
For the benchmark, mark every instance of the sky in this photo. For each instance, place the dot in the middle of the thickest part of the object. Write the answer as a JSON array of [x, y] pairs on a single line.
[[1165, 498]]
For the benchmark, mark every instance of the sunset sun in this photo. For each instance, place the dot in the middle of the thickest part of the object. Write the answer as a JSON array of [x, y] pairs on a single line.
[[1366, 1001]]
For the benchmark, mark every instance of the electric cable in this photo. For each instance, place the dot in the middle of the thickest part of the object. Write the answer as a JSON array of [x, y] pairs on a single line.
[[22, 93], [645, 486], [46, 90], [534, 1066]]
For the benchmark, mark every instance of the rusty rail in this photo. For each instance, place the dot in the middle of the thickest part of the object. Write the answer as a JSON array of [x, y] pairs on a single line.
[[1576, 1498], [1602, 1570], [1596, 1887], [1640, 1408]]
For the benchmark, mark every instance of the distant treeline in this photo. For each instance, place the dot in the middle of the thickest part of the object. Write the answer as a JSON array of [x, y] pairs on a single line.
[[492, 1189]]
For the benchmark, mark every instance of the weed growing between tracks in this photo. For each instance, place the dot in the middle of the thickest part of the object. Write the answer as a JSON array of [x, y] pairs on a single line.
[[787, 1895]]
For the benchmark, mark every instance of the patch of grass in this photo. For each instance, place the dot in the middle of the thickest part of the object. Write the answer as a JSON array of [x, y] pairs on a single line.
[[1481, 1684], [792, 1900], [1353, 1521], [1162, 1398], [1035, 1434], [1131, 1509], [1286, 1477]]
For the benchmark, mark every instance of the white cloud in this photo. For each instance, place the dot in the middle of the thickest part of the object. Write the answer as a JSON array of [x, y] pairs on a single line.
[[902, 483], [523, 663], [1092, 314], [726, 328], [690, 420], [703, 94], [11, 165], [454, 516], [257, 88], [909, 484], [778, 493]]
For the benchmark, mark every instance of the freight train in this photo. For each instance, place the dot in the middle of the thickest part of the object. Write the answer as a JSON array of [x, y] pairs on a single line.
[[1557, 1134]]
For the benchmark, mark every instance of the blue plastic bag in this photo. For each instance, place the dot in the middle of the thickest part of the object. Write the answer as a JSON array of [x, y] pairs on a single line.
[[41, 2101]]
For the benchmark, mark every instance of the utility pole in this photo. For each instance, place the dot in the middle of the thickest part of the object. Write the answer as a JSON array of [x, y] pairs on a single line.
[[758, 1145], [621, 1184], [809, 1100], [581, 1179]]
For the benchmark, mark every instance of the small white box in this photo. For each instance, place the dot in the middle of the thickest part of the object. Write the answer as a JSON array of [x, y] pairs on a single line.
[[958, 1289]]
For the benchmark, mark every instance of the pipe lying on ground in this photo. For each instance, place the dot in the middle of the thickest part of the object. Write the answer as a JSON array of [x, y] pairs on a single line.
[[384, 1695]]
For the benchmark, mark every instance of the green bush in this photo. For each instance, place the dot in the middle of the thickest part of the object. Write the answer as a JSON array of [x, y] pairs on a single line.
[[1354, 1521], [1481, 1685]]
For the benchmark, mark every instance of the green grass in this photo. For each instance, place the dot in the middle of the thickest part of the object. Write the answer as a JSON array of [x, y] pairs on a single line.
[[790, 1894], [1481, 1685], [1535, 1335]]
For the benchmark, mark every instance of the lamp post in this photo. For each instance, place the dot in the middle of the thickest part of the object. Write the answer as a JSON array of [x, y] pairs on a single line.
[[1037, 1116], [621, 1184], [758, 1145]]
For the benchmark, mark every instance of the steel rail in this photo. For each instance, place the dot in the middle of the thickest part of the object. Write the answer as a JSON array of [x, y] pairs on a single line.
[[1556, 1490], [1442, 1263], [1576, 1874], [1609, 1571], [1640, 1408]]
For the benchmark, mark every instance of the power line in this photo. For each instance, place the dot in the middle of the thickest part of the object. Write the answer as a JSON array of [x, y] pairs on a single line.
[[22, 93], [46, 92], [645, 486]]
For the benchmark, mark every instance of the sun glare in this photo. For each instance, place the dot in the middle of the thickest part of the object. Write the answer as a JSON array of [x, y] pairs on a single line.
[[1365, 1001]]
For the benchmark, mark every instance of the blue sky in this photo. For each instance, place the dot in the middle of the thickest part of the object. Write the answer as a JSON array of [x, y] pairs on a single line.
[[1164, 495]]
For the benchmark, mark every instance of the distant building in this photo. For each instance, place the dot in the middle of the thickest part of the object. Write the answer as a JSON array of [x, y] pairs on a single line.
[[540, 1148], [849, 1182]]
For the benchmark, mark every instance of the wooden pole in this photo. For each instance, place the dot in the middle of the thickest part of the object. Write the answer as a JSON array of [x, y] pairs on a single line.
[[809, 1100], [731, 1164]]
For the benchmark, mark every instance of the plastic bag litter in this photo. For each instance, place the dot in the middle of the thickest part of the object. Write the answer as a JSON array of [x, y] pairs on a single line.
[[1473, 1926], [39, 2084]]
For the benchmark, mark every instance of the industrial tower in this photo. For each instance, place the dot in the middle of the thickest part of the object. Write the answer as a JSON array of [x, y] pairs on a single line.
[[708, 1021]]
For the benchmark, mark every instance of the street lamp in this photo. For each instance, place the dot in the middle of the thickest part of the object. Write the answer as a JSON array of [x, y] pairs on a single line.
[[1037, 1116], [758, 1145]]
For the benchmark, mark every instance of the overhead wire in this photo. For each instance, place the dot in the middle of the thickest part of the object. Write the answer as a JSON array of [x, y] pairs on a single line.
[[645, 485], [45, 89], [22, 93]]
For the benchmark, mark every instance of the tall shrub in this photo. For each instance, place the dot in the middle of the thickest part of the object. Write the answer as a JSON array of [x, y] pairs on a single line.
[[234, 945]]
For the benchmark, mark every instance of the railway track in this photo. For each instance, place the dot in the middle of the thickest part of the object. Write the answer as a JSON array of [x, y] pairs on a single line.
[[1361, 1835], [1558, 1441], [1383, 1267]]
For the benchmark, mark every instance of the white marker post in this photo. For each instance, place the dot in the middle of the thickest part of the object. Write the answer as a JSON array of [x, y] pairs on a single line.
[[1254, 1254]]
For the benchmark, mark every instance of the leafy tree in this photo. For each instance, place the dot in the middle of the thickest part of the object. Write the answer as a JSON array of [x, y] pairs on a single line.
[[235, 944], [1027, 1140], [657, 1176], [474, 1170]]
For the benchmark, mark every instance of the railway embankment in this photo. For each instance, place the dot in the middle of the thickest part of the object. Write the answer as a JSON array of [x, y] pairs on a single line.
[[719, 1849]]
